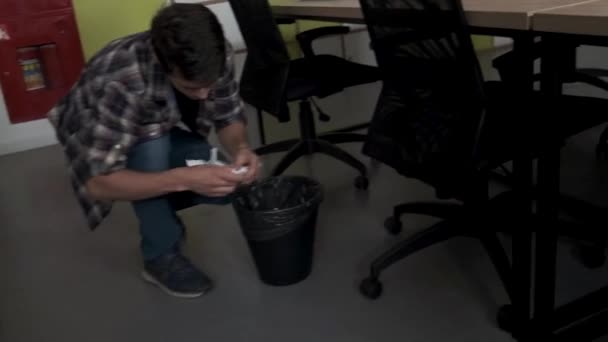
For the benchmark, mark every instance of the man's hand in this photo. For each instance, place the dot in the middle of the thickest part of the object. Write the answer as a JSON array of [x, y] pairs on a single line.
[[245, 157], [234, 139], [212, 181]]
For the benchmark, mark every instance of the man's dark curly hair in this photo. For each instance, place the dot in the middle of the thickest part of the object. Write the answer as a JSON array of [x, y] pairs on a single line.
[[188, 38]]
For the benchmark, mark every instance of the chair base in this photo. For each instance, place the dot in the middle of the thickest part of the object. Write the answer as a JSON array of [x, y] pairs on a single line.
[[308, 147], [436, 209], [590, 236], [371, 287], [309, 143], [457, 221], [497, 217]]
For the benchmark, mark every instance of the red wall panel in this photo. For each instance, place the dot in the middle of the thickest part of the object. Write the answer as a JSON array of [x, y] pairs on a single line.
[[45, 5], [9, 8], [41, 59]]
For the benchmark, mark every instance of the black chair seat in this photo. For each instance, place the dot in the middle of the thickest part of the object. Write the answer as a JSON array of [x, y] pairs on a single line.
[[535, 124], [532, 126], [513, 126], [325, 75]]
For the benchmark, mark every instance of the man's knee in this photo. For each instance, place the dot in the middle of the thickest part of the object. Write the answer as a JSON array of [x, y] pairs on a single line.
[[187, 145], [151, 155]]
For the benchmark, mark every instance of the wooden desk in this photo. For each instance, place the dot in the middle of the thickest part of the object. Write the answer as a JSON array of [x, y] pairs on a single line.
[[495, 14], [511, 14], [333, 10], [590, 18]]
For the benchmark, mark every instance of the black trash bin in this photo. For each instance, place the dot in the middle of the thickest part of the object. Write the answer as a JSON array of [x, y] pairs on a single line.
[[278, 217]]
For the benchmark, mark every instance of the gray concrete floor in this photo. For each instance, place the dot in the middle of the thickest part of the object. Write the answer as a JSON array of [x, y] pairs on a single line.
[[61, 282]]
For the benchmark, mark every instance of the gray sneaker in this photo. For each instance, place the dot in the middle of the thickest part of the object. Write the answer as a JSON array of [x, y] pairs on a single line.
[[176, 275]]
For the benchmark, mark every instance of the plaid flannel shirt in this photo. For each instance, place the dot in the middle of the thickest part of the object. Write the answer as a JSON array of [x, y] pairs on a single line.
[[124, 97]]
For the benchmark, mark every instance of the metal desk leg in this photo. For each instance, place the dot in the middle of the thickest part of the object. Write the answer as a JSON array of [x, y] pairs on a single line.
[[548, 203], [522, 236], [546, 242], [522, 251]]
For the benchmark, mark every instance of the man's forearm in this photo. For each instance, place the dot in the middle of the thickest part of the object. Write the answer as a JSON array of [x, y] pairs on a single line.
[[234, 137], [127, 185]]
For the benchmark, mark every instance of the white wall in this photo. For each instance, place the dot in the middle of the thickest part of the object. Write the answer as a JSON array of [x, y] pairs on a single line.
[[25, 136], [229, 24], [226, 17], [500, 42]]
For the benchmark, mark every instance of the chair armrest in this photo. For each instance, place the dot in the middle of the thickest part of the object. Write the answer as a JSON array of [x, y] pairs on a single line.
[[306, 38]]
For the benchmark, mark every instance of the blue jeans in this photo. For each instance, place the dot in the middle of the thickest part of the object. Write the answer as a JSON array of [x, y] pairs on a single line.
[[160, 227]]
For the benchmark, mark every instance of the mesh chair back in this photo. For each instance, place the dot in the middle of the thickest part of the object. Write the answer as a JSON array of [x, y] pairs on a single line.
[[267, 65], [431, 109]]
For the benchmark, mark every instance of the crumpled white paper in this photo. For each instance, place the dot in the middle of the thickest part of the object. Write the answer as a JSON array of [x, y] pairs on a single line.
[[214, 161]]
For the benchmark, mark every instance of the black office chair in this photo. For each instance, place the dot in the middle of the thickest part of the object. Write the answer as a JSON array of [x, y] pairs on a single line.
[[438, 121], [507, 63], [592, 254], [270, 80]]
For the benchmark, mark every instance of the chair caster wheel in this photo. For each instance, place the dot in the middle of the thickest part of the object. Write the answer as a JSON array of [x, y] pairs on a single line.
[[591, 257], [371, 288], [393, 225], [505, 318], [361, 183]]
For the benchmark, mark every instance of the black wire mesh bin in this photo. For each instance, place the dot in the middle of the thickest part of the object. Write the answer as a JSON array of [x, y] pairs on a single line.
[[278, 216]]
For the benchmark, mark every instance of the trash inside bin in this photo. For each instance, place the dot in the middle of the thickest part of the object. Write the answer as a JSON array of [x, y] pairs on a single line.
[[278, 217]]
